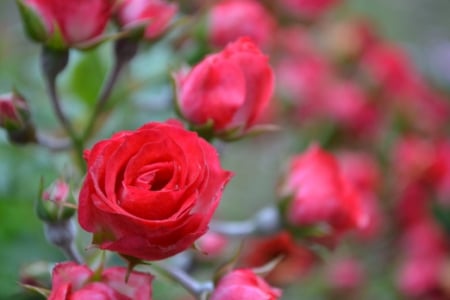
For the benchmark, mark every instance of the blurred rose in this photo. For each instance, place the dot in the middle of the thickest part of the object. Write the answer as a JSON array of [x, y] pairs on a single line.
[[72, 281], [318, 193], [232, 19], [158, 13], [150, 193], [345, 274], [350, 107], [77, 21], [244, 284], [231, 88], [212, 244], [296, 260]]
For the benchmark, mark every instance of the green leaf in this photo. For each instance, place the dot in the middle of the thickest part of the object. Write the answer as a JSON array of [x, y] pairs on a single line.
[[34, 26], [86, 77]]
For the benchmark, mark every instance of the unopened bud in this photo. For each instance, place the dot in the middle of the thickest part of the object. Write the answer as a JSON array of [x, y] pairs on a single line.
[[16, 119], [55, 203]]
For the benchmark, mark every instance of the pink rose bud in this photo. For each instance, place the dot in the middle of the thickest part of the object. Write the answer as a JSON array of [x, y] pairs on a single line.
[[56, 203], [72, 281], [319, 194], [212, 244], [230, 20], [227, 91], [62, 24], [150, 193], [244, 284], [15, 118], [157, 13]]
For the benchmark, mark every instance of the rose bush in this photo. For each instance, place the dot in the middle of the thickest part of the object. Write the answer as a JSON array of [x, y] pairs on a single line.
[[78, 282], [244, 284], [67, 23], [150, 193], [231, 89]]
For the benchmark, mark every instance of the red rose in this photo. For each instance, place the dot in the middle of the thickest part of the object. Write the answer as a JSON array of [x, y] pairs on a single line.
[[296, 261], [78, 282], [231, 88], [150, 193], [159, 13], [230, 20], [318, 193], [244, 284], [76, 21]]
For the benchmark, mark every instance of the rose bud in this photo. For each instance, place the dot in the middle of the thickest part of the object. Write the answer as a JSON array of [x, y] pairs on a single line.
[[157, 13], [227, 91], [16, 119], [230, 20], [316, 194], [56, 203], [150, 193], [212, 245], [61, 24], [72, 281], [244, 284]]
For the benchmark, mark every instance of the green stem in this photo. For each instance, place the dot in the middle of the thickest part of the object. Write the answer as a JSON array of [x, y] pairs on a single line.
[[199, 290], [53, 63], [103, 99], [124, 50]]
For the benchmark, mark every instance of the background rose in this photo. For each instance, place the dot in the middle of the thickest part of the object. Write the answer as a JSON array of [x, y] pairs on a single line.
[[230, 20], [77, 21], [72, 281], [150, 193], [231, 88], [157, 12], [318, 192], [244, 284]]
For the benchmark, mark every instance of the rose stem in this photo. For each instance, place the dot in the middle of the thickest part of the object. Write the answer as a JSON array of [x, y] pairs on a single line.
[[125, 49], [265, 222], [198, 289]]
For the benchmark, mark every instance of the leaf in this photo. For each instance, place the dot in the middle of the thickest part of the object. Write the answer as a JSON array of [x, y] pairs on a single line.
[[86, 77]]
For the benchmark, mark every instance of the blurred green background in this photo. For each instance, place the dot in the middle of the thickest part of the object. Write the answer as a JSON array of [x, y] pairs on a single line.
[[423, 27]]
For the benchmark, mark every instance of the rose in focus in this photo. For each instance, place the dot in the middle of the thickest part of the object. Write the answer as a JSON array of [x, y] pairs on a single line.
[[231, 89], [72, 281], [150, 193], [244, 284]]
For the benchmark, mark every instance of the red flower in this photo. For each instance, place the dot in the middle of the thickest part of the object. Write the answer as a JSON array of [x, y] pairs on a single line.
[[150, 193], [76, 21], [230, 20], [296, 260], [72, 281], [158, 13], [231, 88], [244, 284], [319, 194]]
